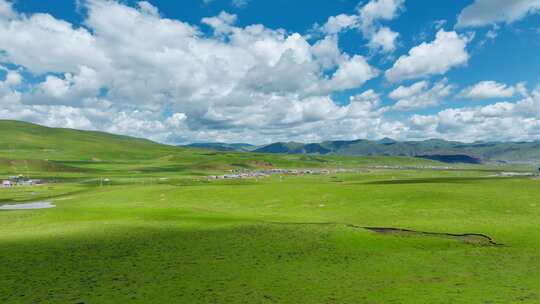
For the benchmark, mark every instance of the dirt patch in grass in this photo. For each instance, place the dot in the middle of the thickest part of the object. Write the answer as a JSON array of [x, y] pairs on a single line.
[[470, 238], [476, 239]]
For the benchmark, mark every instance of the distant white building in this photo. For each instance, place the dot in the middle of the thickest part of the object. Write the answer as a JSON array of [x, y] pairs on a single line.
[[30, 182], [7, 183]]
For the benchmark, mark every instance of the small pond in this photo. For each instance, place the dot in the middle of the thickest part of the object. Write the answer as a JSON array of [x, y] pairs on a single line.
[[27, 206]]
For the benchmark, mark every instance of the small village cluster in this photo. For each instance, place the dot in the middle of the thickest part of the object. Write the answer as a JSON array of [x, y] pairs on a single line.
[[20, 180], [245, 173], [515, 174], [412, 167]]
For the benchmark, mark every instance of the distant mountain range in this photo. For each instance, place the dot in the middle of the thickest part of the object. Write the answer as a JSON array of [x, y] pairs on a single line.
[[224, 146], [435, 149]]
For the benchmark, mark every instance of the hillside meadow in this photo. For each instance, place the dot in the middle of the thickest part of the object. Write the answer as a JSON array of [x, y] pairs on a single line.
[[160, 232]]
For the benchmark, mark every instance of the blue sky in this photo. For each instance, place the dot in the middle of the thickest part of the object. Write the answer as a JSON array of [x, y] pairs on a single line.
[[262, 71]]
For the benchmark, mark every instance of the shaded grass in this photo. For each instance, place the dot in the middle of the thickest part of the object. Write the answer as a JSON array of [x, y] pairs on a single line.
[[255, 264], [140, 239]]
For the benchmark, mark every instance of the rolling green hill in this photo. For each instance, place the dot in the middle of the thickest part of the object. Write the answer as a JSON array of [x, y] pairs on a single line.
[[24, 140], [27, 148]]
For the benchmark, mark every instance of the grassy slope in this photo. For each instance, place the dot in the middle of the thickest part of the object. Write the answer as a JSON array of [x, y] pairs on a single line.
[[25, 140], [182, 240], [36, 150]]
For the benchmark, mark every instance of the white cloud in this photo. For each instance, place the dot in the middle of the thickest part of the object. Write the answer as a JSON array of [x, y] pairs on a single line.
[[368, 22], [240, 3], [131, 71], [148, 8], [34, 43], [376, 10], [419, 95], [366, 104], [488, 89], [352, 74], [490, 12], [222, 24], [405, 92], [448, 50], [129, 65], [339, 23], [97, 114], [491, 34], [71, 89], [13, 78], [8, 92], [380, 38], [6, 10], [503, 121], [384, 39], [327, 52], [177, 120], [439, 24]]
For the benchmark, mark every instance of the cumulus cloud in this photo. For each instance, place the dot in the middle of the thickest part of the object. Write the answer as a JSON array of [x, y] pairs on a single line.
[[368, 21], [6, 10], [420, 95], [377, 10], [490, 12], [129, 70], [371, 15], [384, 39], [34, 43], [500, 121], [448, 50], [327, 52], [8, 87], [237, 83], [339, 23], [489, 89], [352, 73], [13, 78], [148, 8], [70, 89], [222, 24], [136, 123]]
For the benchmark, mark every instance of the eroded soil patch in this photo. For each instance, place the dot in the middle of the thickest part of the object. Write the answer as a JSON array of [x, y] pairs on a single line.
[[477, 239], [470, 238]]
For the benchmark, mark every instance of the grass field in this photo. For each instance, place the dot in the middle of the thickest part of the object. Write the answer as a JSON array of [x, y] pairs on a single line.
[[159, 232]]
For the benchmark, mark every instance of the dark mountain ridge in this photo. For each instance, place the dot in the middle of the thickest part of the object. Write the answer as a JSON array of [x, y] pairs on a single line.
[[437, 149], [223, 146]]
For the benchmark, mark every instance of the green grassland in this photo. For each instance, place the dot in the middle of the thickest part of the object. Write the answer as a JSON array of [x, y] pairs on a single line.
[[160, 232]]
